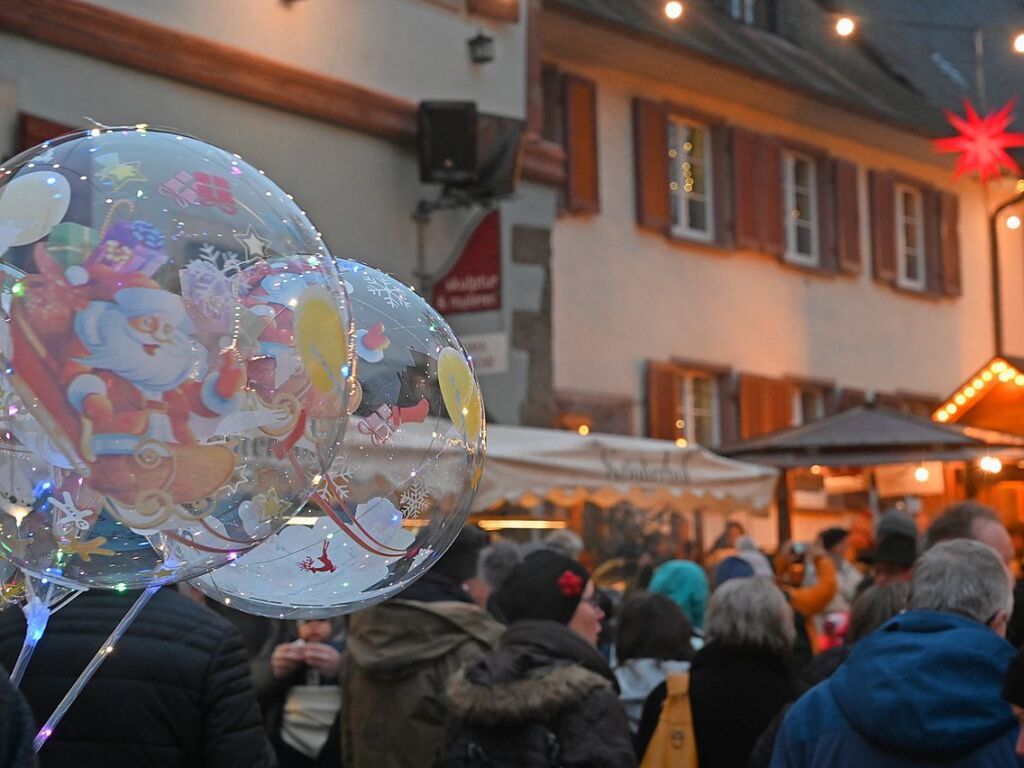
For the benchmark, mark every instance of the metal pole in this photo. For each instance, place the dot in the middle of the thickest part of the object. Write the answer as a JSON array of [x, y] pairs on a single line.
[[979, 68]]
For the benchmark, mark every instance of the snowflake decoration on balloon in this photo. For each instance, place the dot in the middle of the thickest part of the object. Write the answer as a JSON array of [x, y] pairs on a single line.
[[415, 500], [982, 141], [387, 289]]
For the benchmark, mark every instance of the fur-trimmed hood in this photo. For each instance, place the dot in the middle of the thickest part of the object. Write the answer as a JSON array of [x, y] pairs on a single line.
[[533, 698], [540, 668]]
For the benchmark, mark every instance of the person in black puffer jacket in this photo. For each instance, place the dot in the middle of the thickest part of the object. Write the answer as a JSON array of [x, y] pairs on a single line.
[[545, 696], [16, 731], [175, 692]]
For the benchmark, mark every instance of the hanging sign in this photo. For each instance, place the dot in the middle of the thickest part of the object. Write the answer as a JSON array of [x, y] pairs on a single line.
[[473, 284]]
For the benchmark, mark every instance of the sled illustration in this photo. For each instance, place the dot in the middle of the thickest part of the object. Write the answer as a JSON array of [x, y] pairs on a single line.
[[149, 475]]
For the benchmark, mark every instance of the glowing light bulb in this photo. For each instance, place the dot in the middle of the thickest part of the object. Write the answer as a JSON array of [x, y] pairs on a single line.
[[682, 442], [990, 464], [583, 429], [1013, 222], [673, 10], [921, 474], [845, 26], [1018, 43]]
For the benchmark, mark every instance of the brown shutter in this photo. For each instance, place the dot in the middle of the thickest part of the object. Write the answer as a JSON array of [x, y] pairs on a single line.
[[883, 226], [664, 396], [745, 189], [893, 402], [34, 130], [826, 213], [582, 195], [650, 153], [721, 179], [503, 10], [850, 398], [847, 218], [766, 405], [949, 207], [932, 241], [770, 200]]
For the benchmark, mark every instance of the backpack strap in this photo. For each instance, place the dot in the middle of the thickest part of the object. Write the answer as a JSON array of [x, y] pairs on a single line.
[[677, 684]]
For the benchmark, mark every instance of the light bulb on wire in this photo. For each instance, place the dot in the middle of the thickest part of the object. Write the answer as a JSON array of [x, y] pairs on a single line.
[[1013, 222], [845, 26], [1018, 42], [673, 9]]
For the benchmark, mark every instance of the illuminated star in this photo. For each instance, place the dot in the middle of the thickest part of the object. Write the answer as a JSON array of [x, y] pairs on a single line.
[[253, 242], [117, 173], [982, 142], [86, 549]]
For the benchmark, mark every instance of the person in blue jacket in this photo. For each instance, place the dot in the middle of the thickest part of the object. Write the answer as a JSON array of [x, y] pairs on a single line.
[[925, 688]]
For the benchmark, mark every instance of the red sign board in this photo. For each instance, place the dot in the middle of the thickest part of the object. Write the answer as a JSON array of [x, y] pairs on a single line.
[[473, 284]]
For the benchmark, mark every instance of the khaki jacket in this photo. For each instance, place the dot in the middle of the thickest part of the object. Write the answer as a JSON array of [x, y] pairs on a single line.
[[399, 659]]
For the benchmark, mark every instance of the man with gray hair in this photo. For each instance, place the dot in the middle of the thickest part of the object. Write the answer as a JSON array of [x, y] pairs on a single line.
[[924, 688]]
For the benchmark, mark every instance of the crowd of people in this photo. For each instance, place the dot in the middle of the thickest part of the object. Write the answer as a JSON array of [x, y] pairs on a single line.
[[880, 647]]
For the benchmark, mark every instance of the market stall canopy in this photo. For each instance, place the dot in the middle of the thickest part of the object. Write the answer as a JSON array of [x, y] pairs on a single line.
[[867, 435], [527, 465]]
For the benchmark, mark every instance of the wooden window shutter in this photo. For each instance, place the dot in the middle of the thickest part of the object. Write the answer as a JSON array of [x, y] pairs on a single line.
[[883, 226], [728, 424], [932, 241], [770, 203], [650, 153], [664, 398], [826, 179], [745, 189], [850, 398], [847, 217], [949, 208], [721, 175], [766, 405], [580, 95], [503, 10], [34, 130]]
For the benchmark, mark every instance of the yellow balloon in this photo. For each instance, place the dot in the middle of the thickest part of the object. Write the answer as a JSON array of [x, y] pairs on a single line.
[[460, 392], [321, 339]]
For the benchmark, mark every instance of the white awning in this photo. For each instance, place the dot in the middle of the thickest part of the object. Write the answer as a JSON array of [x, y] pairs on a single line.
[[526, 465]]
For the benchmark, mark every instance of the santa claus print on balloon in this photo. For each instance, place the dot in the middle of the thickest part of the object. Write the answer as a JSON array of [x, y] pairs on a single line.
[[177, 353], [398, 491]]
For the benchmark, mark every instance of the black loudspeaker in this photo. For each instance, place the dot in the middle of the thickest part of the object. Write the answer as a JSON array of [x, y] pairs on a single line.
[[446, 137], [499, 156]]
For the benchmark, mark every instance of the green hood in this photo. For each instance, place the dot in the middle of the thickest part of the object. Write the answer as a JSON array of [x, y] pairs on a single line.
[[392, 640]]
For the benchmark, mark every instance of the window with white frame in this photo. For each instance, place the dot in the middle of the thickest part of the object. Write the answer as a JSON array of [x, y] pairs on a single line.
[[808, 405], [698, 417], [910, 257], [689, 160], [800, 190], [743, 10]]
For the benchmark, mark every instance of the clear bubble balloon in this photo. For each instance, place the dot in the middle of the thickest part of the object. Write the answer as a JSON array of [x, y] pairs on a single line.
[[176, 358], [400, 489]]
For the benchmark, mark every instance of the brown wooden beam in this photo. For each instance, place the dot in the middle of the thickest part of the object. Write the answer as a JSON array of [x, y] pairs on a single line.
[[157, 50]]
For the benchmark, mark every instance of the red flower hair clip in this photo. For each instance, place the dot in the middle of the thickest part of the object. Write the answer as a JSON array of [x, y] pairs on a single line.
[[570, 584]]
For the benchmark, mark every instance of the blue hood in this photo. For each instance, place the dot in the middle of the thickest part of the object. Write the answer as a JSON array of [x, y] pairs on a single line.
[[927, 684]]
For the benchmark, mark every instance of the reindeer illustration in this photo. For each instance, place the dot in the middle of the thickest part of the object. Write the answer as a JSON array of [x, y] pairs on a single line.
[[325, 566]]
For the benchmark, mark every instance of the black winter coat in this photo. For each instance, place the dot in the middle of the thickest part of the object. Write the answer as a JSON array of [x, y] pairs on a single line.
[[734, 695], [16, 731], [175, 693], [543, 671]]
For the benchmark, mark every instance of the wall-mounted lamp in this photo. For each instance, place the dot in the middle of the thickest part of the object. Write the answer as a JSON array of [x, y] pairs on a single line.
[[481, 48]]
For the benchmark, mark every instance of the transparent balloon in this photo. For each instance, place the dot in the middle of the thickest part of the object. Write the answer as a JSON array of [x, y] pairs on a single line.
[[176, 354], [400, 489]]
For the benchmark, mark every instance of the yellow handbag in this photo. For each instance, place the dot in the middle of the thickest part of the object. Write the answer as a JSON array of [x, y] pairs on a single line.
[[673, 744]]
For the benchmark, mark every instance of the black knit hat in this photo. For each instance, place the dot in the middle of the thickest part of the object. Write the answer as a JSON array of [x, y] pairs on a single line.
[[894, 549], [1013, 683], [832, 536], [546, 585]]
